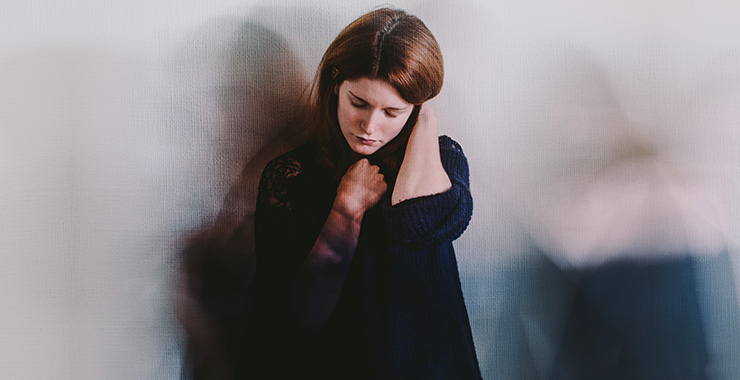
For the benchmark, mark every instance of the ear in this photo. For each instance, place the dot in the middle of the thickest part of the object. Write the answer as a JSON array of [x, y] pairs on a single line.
[[334, 74]]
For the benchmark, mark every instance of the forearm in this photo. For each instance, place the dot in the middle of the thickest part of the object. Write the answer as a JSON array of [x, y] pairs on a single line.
[[320, 280], [421, 171]]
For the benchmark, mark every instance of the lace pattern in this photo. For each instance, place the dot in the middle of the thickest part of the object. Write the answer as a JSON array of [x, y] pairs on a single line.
[[280, 174], [277, 178]]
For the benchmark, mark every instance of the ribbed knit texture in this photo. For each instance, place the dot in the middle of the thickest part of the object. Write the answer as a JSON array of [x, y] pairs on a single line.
[[435, 219], [401, 314]]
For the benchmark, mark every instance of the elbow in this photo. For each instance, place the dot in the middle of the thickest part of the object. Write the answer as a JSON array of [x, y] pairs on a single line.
[[458, 220]]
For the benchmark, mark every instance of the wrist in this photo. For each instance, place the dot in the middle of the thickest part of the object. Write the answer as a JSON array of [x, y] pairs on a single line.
[[427, 120], [348, 210]]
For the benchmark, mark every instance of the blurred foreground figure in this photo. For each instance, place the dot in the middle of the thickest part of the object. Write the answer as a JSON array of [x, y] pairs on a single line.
[[217, 259], [628, 240]]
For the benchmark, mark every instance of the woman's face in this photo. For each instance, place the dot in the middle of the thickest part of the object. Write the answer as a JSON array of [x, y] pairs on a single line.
[[371, 113]]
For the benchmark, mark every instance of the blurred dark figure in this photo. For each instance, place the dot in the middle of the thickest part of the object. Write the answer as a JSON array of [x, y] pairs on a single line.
[[634, 320], [262, 98], [212, 301], [629, 240]]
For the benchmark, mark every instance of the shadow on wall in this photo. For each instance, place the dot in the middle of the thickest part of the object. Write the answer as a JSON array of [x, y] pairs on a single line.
[[260, 100]]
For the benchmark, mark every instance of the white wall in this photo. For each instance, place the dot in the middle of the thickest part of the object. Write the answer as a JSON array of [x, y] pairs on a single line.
[[122, 124]]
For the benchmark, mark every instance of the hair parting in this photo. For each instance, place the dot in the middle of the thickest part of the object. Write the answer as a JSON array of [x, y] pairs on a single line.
[[388, 45]]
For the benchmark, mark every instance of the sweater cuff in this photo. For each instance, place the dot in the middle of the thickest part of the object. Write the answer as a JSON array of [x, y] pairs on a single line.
[[427, 220]]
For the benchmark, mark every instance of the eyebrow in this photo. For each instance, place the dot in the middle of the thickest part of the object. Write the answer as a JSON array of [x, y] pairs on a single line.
[[366, 102]]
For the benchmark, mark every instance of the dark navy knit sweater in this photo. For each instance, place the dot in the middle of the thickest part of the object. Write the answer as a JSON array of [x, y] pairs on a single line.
[[401, 313]]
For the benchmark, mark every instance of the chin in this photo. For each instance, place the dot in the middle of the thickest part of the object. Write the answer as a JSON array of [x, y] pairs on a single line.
[[364, 150]]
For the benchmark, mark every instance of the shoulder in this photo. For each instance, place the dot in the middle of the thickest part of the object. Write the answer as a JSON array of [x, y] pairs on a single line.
[[286, 165], [446, 143], [279, 176], [452, 156]]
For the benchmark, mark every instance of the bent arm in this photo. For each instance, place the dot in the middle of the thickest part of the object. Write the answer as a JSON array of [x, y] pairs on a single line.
[[434, 219], [421, 171], [321, 277]]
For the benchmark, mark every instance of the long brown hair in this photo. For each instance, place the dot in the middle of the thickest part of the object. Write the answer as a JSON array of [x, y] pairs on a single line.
[[386, 44]]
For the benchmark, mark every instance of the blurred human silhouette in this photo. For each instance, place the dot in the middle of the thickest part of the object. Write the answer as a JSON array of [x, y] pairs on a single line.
[[218, 259], [627, 238], [627, 227]]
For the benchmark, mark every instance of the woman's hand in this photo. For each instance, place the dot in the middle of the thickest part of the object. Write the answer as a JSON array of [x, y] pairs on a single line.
[[421, 171], [361, 188]]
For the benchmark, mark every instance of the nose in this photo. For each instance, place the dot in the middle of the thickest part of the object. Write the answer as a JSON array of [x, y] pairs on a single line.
[[371, 122]]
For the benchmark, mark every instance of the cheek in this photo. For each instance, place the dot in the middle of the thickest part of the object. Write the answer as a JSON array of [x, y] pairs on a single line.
[[395, 127], [346, 111], [343, 117], [399, 123]]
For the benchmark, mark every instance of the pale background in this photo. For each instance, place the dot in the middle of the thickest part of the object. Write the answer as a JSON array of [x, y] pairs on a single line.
[[122, 123]]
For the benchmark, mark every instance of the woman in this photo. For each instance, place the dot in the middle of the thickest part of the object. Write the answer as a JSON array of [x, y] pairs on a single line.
[[356, 273]]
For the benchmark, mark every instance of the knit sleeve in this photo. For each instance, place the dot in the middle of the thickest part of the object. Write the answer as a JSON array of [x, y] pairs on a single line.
[[439, 218]]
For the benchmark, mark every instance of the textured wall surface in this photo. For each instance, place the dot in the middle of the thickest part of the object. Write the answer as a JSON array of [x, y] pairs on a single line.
[[123, 123]]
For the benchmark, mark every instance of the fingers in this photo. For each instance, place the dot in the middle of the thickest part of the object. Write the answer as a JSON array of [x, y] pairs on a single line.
[[363, 169], [369, 177], [363, 184]]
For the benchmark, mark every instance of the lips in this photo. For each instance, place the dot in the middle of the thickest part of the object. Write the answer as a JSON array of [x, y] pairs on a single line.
[[365, 141]]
